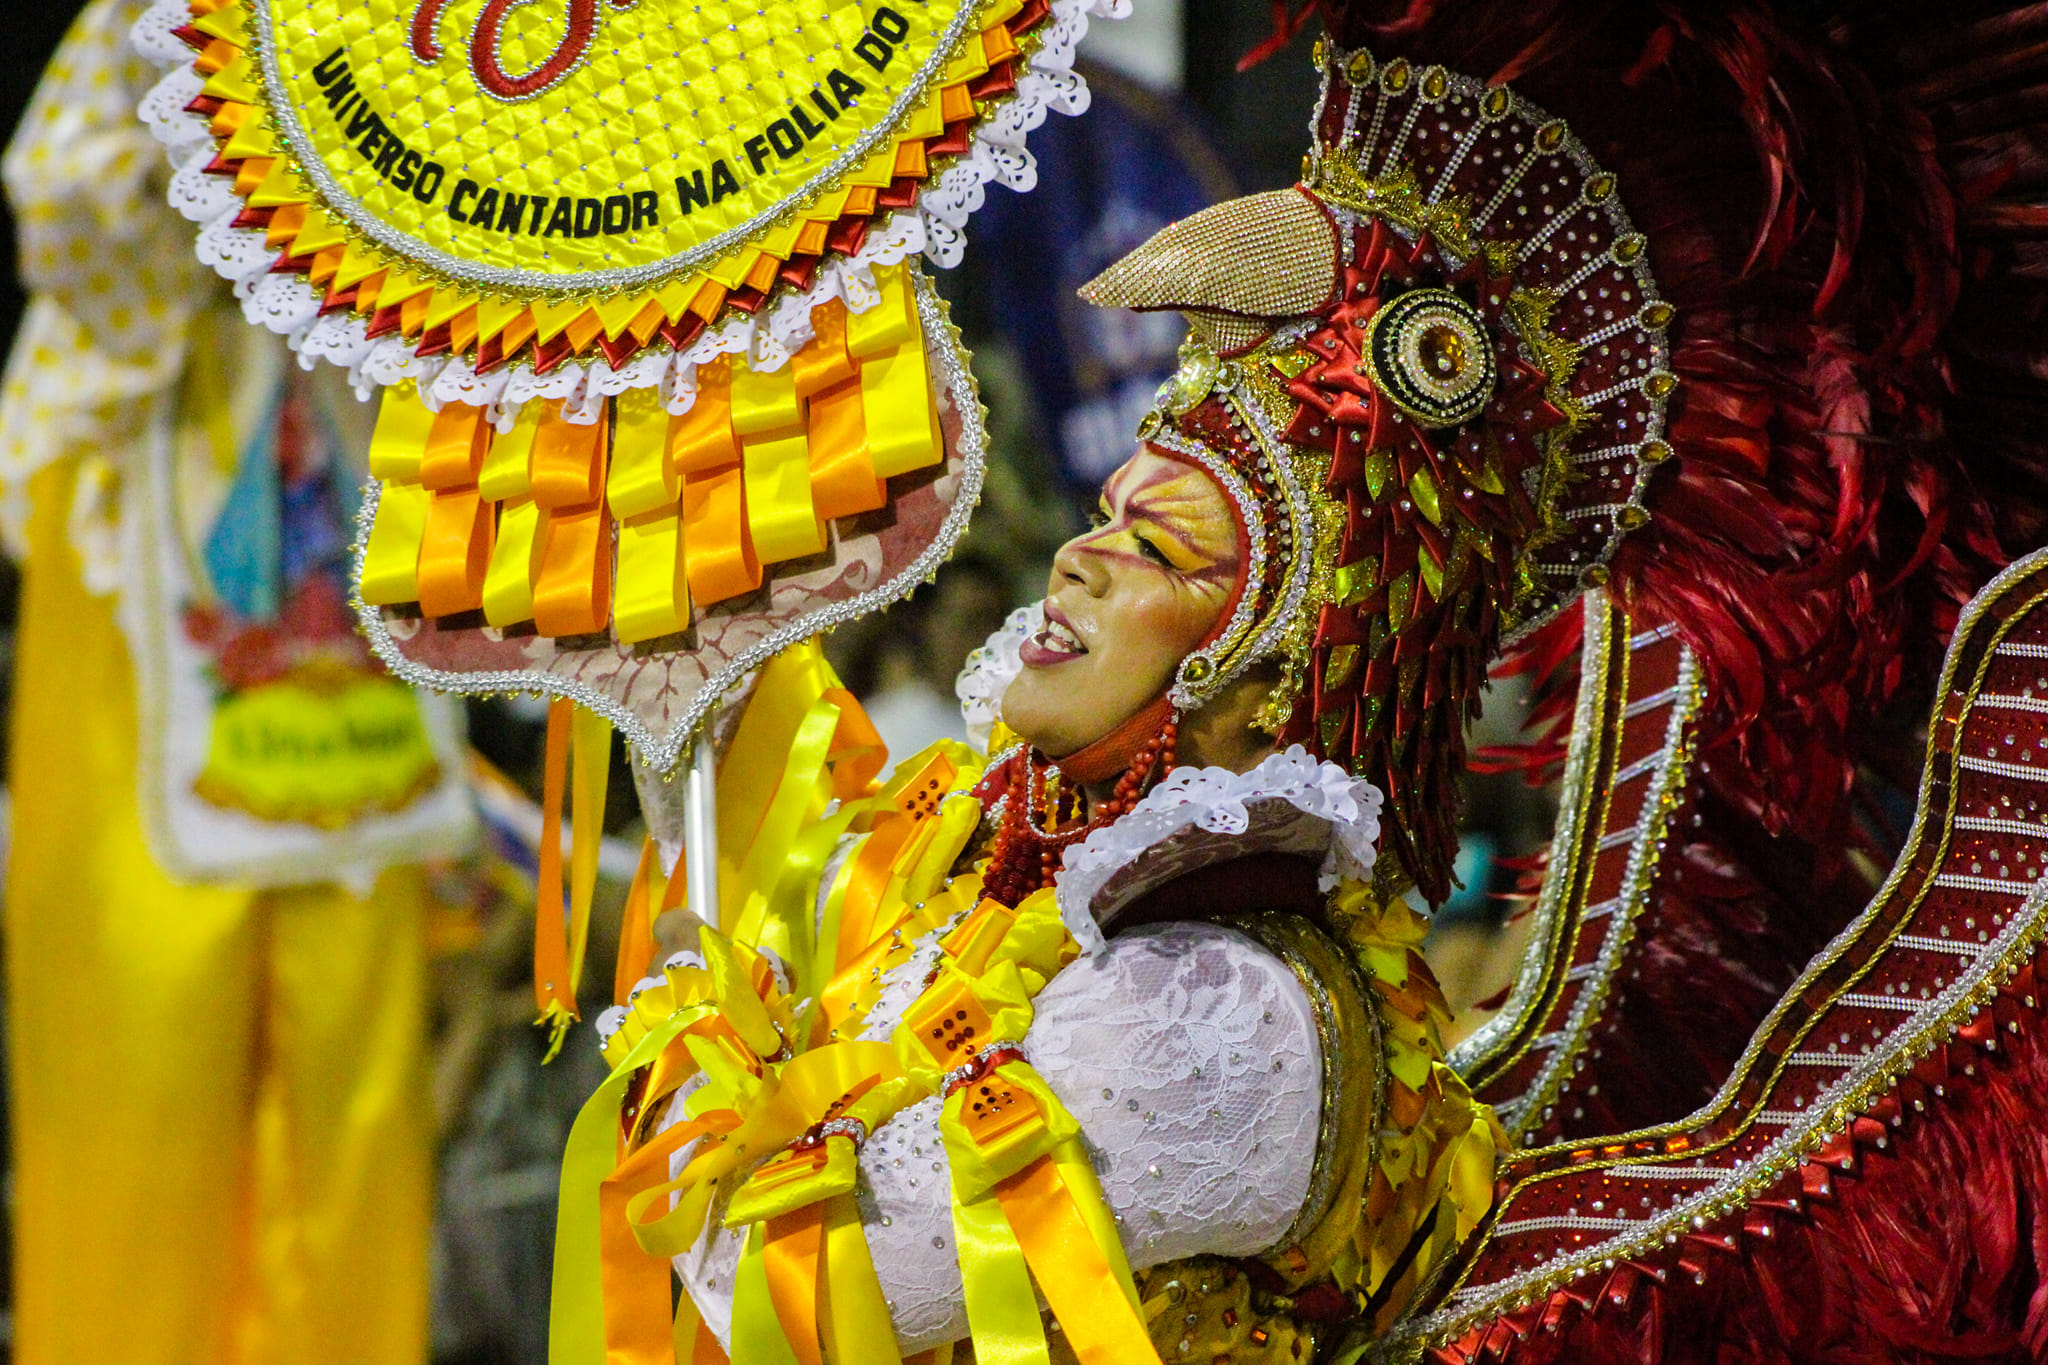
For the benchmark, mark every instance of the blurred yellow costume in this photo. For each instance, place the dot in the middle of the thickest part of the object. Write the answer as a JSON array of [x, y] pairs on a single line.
[[221, 1150]]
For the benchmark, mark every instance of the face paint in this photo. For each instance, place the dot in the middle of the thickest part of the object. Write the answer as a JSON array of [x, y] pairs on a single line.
[[1166, 512], [1127, 602]]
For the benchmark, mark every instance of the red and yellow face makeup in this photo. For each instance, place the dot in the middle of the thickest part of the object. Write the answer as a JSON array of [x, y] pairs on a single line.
[[1127, 601]]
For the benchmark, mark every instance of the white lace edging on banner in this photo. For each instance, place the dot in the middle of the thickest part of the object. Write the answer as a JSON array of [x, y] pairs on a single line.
[[1218, 800], [990, 670], [289, 306]]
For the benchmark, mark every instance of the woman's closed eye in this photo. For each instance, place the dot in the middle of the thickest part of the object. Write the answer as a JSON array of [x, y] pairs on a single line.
[[1150, 550]]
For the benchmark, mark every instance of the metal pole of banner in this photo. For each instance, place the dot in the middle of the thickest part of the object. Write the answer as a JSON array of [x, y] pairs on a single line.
[[700, 829]]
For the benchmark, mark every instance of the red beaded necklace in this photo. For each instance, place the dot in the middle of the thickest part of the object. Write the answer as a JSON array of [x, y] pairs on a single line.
[[1041, 803]]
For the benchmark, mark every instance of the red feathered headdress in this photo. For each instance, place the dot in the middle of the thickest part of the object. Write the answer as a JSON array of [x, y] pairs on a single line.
[[1434, 375]]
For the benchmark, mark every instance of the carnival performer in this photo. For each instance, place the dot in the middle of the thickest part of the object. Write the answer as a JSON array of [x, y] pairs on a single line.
[[1426, 392], [1142, 993], [216, 953]]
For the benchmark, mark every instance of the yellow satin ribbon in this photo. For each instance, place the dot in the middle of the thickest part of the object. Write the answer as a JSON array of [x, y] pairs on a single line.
[[642, 478], [1002, 1309], [802, 742], [651, 592], [787, 1102], [1026, 1199], [508, 582], [507, 467], [576, 1324], [856, 1322], [400, 438], [391, 558], [799, 798], [757, 1336], [733, 986]]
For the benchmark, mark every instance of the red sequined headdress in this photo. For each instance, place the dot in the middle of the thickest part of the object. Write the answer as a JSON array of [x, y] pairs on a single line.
[[1432, 376]]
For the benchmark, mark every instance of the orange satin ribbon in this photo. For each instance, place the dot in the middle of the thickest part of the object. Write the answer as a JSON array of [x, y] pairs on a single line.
[[455, 551], [793, 1256], [1101, 1324], [718, 551], [677, 890], [455, 447], [552, 989], [843, 481], [824, 362], [857, 753], [869, 877], [572, 594], [567, 465], [706, 1350], [701, 439], [639, 1328], [636, 927]]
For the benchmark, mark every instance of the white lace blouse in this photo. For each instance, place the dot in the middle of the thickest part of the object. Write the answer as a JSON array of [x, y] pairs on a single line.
[[1189, 1055], [1187, 1051]]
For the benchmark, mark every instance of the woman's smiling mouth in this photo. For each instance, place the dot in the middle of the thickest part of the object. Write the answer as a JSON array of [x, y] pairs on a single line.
[[1055, 642]]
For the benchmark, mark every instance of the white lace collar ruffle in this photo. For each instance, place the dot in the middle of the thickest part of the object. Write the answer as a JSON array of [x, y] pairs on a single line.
[[1202, 817], [989, 671], [1197, 817]]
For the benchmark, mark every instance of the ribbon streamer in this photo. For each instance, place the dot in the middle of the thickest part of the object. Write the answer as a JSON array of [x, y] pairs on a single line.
[[636, 927], [560, 938]]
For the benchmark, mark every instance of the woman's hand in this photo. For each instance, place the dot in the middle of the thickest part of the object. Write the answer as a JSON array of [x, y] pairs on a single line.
[[675, 931]]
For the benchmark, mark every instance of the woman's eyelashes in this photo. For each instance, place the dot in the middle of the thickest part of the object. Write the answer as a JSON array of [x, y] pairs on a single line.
[[1101, 518]]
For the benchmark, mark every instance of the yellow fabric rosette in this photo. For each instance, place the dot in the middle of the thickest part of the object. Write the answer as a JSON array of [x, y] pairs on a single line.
[[807, 1286]]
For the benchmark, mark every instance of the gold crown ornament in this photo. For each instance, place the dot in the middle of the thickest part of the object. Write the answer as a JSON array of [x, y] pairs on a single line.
[[663, 388]]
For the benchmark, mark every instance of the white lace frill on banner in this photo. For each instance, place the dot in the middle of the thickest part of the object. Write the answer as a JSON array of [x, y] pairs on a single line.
[[289, 306]]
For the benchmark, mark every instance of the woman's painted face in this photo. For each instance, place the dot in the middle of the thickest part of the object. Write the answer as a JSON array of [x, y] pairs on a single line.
[[1128, 600]]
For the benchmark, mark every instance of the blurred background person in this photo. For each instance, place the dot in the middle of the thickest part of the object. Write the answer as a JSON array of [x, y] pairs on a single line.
[[215, 913]]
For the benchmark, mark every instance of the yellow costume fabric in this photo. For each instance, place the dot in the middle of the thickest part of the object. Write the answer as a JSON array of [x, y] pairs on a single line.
[[221, 1150], [222, 1153]]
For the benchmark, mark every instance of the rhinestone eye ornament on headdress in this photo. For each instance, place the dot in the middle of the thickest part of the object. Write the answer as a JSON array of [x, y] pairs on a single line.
[[1427, 350], [1432, 378]]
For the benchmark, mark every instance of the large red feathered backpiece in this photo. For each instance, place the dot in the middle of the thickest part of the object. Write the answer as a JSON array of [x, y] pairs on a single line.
[[1848, 206], [1844, 205]]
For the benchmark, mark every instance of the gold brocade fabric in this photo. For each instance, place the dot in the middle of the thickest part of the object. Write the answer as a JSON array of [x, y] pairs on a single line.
[[1266, 255]]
